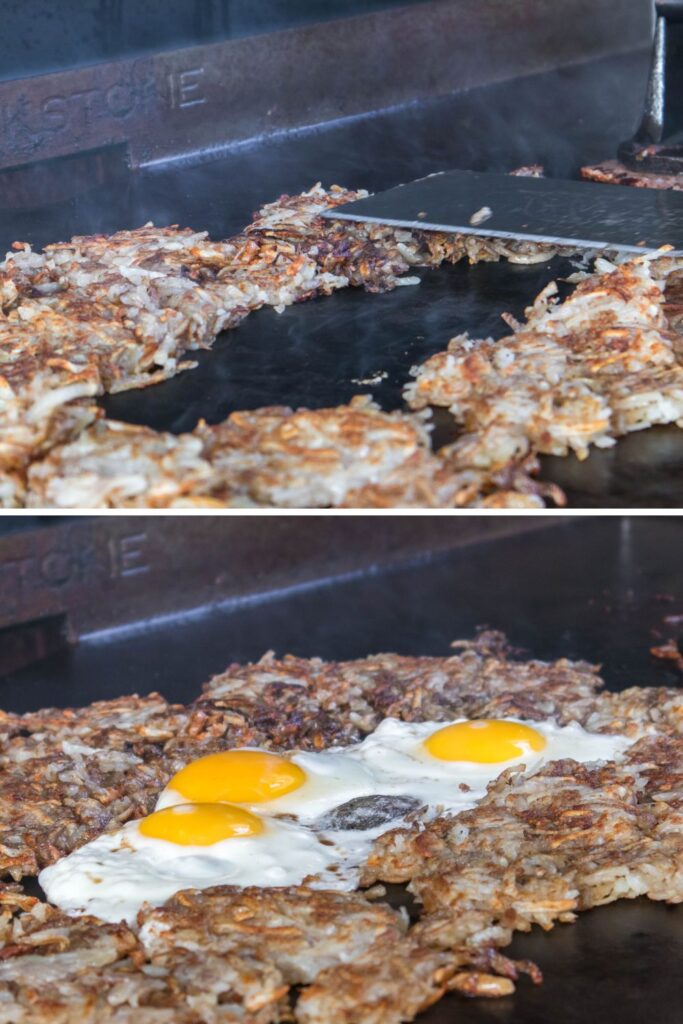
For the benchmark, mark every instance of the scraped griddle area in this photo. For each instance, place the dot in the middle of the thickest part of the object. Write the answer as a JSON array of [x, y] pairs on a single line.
[[573, 837]]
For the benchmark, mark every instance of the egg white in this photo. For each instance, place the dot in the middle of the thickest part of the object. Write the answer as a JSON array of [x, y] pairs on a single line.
[[400, 763], [112, 876], [115, 874], [332, 778]]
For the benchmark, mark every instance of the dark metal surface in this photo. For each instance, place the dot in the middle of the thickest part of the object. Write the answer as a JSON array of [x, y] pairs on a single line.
[[579, 213], [605, 589], [321, 353], [644, 469], [41, 36], [105, 572], [657, 145], [171, 103]]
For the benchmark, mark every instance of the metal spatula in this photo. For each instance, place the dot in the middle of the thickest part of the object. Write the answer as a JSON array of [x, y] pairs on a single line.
[[657, 146], [574, 213]]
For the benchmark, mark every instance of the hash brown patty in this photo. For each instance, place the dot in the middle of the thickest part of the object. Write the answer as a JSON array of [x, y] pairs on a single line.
[[606, 361], [353, 455], [539, 848]]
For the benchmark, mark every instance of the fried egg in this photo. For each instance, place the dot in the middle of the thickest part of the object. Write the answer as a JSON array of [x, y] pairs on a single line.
[[251, 817], [182, 847], [304, 785], [446, 765], [450, 764]]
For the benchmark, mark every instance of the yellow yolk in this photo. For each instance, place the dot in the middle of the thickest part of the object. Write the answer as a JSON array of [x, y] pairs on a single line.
[[200, 824], [237, 777], [483, 741]]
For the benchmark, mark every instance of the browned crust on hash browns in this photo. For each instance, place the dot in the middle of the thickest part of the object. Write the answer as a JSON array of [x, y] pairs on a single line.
[[353, 455], [124, 723], [537, 849], [69, 775], [544, 845], [106, 313], [247, 947], [60, 970], [605, 361], [48, 379], [613, 172], [302, 931], [51, 805], [316, 704]]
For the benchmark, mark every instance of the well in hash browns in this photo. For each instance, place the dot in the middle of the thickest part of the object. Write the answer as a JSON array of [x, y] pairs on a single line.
[[288, 253], [604, 362], [537, 849], [172, 289], [107, 313], [349, 456]]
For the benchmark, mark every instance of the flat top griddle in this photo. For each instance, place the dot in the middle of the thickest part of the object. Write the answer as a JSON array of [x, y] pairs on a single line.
[[599, 589], [316, 353]]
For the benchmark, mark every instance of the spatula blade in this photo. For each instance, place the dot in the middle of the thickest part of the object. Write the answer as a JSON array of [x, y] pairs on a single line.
[[574, 213]]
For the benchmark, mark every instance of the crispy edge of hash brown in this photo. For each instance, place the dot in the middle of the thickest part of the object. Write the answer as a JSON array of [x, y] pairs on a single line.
[[348, 456], [613, 172], [400, 972], [60, 970], [605, 361]]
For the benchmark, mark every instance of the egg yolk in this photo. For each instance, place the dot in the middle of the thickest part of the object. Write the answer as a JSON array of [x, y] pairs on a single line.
[[237, 777], [200, 824], [483, 741]]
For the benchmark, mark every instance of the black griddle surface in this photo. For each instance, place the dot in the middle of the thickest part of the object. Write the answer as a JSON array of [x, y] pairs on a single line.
[[320, 353], [598, 589]]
